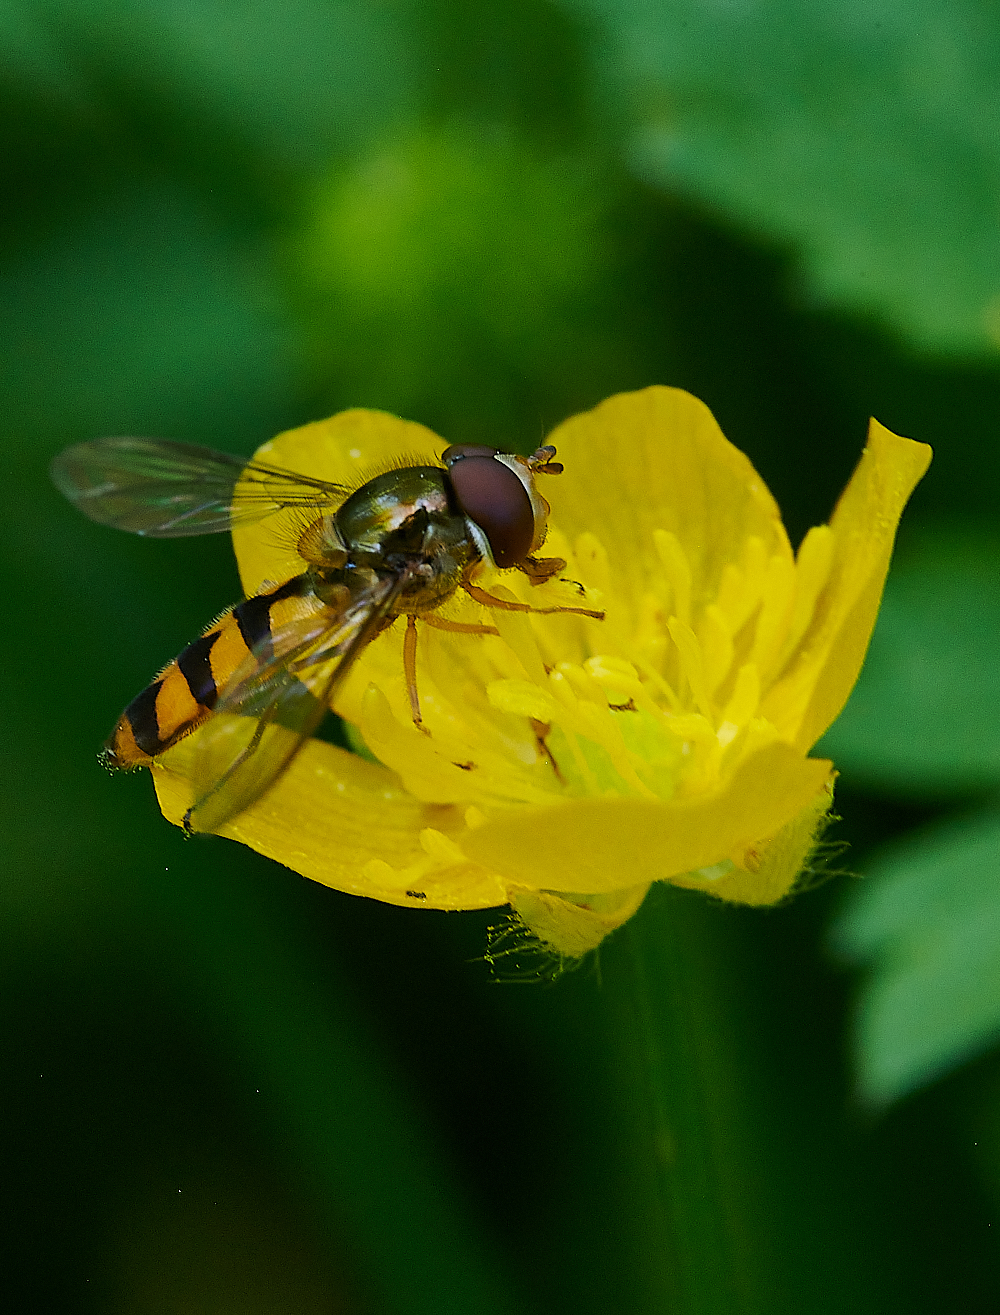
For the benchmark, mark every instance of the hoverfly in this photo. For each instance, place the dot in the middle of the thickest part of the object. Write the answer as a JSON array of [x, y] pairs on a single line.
[[399, 546]]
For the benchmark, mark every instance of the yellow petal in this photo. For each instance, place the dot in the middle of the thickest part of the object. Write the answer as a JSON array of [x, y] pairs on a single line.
[[572, 926], [653, 461], [813, 690], [769, 870], [348, 449], [600, 844], [347, 823]]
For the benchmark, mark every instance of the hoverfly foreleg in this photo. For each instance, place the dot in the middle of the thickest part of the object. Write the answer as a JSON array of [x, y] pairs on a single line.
[[410, 671], [487, 600], [410, 654], [540, 569], [457, 627], [245, 754], [541, 730]]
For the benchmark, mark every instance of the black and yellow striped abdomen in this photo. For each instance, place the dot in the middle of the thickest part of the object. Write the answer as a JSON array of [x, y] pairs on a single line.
[[185, 692]]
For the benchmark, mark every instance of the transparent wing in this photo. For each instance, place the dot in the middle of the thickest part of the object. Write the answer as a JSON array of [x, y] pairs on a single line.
[[169, 490], [270, 706]]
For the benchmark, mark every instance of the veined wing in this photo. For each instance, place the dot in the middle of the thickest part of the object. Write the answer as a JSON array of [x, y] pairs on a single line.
[[270, 706], [170, 490]]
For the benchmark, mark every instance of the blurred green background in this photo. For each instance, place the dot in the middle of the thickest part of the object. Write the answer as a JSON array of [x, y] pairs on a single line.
[[227, 1089]]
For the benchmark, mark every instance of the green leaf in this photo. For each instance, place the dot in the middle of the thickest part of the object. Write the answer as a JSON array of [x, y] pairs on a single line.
[[925, 715], [141, 309], [866, 135], [927, 925], [297, 78], [457, 274]]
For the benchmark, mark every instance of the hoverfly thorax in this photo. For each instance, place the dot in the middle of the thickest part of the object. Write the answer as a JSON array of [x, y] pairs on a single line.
[[321, 544], [403, 523]]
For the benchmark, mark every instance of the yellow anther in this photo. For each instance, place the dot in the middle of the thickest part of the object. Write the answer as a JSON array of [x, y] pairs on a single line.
[[692, 727], [391, 878], [584, 686], [745, 697], [732, 596], [377, 869], [439, 847], [516, 632], [612, 671], [561, 689], [814, 558], [775, 609], [647, 636], [522, 698], [677, 569], [701, 768], [662, 686], [716, 646], [474, 817], [692, 662], [812, 570]]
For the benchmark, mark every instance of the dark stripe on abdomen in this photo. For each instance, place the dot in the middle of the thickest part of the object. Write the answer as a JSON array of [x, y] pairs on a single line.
[[195, 665], [253, 616], [141, 716]]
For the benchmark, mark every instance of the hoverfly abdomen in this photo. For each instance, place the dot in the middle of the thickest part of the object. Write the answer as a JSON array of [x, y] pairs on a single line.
[[186, 691]]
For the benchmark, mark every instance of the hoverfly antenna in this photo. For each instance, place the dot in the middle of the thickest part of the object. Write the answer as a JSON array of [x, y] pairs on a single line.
[[541, 462]]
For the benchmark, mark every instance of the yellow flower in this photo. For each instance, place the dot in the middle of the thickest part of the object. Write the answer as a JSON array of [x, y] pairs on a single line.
[[572, 762]]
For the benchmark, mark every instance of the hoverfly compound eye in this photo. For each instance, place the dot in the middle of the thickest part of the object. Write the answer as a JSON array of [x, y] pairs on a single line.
[[496, 492], [458, 451], [490, 495]]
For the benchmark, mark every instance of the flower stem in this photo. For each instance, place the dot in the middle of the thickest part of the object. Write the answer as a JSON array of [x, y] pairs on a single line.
[[692, 1132]]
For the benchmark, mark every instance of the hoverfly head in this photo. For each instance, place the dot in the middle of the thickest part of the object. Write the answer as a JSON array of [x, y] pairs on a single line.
[[496, 491]]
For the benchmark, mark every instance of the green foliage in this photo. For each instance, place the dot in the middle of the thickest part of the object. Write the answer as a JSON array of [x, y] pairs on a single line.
[[925, 715], [927, 920], [924, 721], [449, 269], [291, 78], [863, 136], [145, 309]]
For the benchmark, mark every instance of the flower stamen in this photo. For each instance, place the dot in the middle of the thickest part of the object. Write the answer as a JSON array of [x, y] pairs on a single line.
[[677, 570], [692, 663]]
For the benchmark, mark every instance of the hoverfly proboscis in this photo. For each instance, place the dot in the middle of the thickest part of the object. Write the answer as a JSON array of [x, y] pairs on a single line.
[[401, 545]]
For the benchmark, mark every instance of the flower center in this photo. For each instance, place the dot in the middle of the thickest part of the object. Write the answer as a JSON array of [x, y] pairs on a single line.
[[653, 702]]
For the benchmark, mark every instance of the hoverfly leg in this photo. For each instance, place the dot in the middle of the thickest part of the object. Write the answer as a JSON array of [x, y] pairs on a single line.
[[540, 569], [245, 754], [487, 600], [541, 730], [410, 671], [457, 627]]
